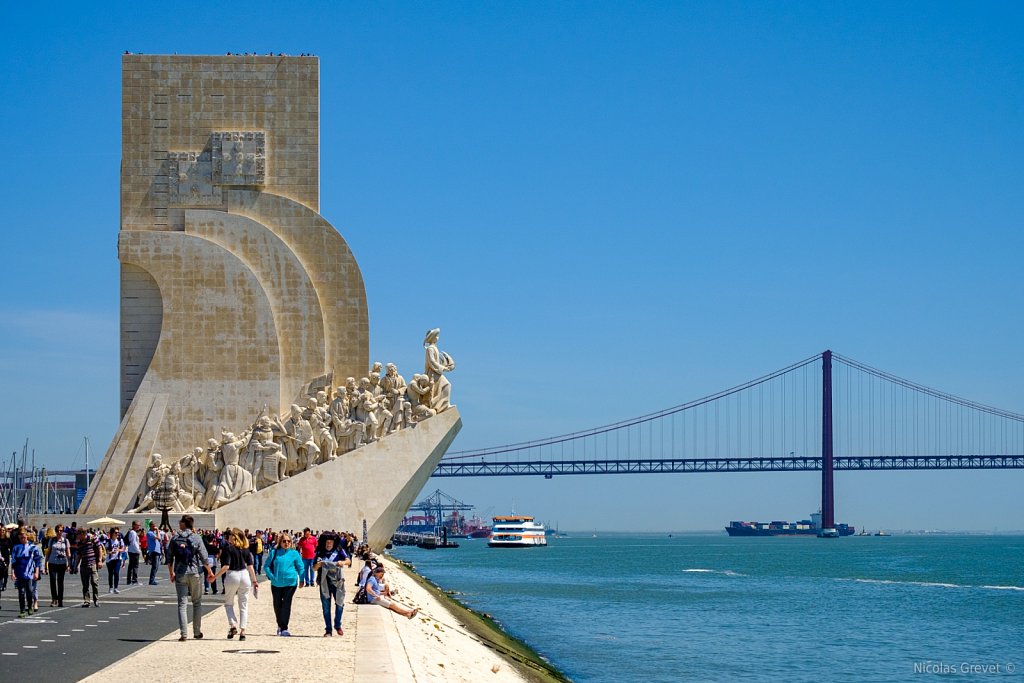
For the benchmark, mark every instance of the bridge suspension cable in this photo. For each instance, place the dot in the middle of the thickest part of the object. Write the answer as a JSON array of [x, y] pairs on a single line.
[[775, 422], [625, 424]]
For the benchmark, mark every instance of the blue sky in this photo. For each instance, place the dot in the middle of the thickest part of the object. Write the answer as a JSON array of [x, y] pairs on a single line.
[[622, 206]]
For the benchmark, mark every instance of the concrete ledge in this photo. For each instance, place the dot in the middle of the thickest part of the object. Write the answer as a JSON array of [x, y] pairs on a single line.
[[380, 653]]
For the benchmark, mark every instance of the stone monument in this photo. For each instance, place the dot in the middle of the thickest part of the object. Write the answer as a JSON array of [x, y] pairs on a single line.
[[244, 311]]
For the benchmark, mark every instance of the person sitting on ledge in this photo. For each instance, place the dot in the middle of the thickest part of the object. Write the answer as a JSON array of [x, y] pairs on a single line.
[[375, 591]]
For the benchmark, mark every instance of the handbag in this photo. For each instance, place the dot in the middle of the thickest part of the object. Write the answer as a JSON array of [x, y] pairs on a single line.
[[361, 597]]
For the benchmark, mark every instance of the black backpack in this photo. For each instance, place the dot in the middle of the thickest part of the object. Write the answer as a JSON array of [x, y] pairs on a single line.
[[182, 551]]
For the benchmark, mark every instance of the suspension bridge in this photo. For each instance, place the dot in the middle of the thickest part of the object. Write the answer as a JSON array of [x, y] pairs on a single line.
[[827, 412]]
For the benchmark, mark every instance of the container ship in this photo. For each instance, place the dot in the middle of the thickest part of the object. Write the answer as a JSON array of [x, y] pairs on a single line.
[[805, 527]]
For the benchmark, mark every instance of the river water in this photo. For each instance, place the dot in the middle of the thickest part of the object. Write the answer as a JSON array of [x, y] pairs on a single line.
[[706, 607]]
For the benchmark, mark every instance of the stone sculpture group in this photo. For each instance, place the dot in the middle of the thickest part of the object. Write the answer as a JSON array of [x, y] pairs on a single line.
[[273, 449]]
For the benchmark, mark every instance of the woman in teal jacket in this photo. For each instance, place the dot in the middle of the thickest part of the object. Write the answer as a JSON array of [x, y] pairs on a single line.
[[283, 569]]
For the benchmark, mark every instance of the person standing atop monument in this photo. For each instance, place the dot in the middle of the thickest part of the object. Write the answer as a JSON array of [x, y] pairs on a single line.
[[283, 568], [134, 548], [186, 559], [154, 552]]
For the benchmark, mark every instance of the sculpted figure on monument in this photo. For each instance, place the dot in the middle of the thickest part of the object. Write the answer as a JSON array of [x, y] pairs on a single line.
[[169, 494], [374, 378], [366, 409], [420, 392], [347, 432], [302, 450], [212, 465], [353, 390], [383, 414], [192, 486], [323, 438], [154, 479], [394, 387], [286, 438], [234, 481], [261, 430], [437, 363], [270, 463]]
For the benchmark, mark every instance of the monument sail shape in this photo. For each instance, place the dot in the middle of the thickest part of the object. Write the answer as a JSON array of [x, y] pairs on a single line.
[[239, 302]]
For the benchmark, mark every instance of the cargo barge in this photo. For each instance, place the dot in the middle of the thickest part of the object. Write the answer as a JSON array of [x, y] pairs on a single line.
[[805, 527]]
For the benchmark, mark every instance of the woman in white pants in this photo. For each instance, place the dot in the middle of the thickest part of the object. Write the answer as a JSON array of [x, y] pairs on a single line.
[[236, 562]]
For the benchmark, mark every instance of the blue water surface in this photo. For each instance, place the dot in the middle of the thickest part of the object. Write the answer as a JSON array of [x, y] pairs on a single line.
[[706, 607]]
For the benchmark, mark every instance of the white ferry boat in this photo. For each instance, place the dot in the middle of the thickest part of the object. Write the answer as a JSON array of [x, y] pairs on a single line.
[[516, 531]]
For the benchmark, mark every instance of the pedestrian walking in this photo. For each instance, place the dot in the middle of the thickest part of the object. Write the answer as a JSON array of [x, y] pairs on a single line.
[[133, 545], [186, 561], [307, 549], [212, 541], [283, 569], [57, 557], [5, 558], [116, 554], [40, 563], [256, 548], [236, 565], [72, 535], [88, 561], [154, 552], [26, 570], [329, 562]]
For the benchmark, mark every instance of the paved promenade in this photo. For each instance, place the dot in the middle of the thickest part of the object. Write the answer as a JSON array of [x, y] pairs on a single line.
[[137, 631], [84, 641]]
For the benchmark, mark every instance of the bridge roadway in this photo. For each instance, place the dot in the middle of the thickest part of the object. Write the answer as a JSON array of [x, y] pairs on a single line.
[[70, 643], [549, 468]]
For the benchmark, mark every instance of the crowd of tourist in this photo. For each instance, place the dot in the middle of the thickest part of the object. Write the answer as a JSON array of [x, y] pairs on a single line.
[[197, 562]]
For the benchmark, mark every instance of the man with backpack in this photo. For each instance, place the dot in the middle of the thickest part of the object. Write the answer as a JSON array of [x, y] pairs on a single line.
[[186, 560]]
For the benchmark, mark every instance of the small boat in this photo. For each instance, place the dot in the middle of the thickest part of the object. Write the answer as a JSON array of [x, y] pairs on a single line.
[[883, 533], [516, 531]]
